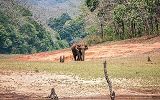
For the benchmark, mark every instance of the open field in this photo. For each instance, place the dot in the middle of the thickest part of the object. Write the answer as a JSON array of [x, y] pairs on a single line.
[[130, 73], [127, 67], [129, 76]]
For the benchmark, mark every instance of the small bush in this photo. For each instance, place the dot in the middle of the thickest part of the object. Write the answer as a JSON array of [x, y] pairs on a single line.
[[109, 34], [93, 39], [36, 70]]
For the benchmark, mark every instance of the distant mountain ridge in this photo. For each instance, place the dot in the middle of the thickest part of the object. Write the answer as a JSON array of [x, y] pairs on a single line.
[[44, 9], [47, 2], [44, 3]]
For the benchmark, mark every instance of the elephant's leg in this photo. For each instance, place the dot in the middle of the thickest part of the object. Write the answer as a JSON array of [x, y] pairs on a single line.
[[79, 56], [83, 54], [74, 52], [74, 56]]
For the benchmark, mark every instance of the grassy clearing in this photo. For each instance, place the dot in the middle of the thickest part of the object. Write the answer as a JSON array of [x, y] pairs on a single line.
[[122, 68], [128, 68], [133, 73], [84, 70], [5, 56]]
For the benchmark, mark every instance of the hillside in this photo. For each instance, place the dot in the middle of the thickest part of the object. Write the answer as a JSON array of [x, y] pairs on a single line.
[[144, 46], [21, 34], [44, 9]]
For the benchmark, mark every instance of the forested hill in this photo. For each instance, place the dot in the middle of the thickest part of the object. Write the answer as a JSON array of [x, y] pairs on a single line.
[[110, 20], [19, 33], [45, 9], [23, 31]]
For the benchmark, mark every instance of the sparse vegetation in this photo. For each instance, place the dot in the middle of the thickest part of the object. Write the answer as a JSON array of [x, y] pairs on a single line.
[[126, 68]]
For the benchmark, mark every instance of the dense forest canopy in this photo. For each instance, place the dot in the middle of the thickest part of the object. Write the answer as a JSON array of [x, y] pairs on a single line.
[[19, 33], [68, 29], [127, 18]]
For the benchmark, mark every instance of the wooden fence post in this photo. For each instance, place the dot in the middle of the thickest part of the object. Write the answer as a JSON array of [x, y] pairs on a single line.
[[112, 93]]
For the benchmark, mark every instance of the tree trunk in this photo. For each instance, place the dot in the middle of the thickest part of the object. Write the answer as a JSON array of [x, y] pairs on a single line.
[[115, 28], [146, 26], [150, 19], [102, 31], [156, 22], [112, 93], [133, 28], [123, 30], [83, 54]]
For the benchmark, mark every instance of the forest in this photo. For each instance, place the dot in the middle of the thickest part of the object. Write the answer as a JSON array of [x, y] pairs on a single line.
[[21, 34], [123, 19], [99, 21]]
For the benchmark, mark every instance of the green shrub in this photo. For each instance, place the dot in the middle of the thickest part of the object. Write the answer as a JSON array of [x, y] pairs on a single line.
[[93, 39], [109, 34]]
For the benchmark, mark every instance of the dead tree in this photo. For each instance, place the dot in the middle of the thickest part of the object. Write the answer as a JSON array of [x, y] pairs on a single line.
[[62, 58], [53, 94], [149, 59], [112, 93]]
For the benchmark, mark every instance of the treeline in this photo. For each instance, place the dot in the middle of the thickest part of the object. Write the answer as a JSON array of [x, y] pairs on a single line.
[[122, 19], [20, 34]]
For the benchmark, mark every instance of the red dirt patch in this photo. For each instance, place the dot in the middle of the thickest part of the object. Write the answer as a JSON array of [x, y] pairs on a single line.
[[124, 48]]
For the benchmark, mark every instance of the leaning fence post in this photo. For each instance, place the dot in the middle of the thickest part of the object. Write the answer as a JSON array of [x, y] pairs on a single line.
[[112, 93]]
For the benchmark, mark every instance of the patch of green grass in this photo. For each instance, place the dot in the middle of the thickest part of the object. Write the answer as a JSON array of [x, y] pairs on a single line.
[[84, 70], [135, 67], [138, 74], [5, 56], [129, 68]]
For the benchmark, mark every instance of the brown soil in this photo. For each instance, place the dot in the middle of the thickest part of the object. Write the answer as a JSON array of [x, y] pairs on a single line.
[[125, 48]]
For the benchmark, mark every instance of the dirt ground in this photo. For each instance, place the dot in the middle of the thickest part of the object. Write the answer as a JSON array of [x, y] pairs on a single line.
[[114, 49], [31, 85], [24, 85]]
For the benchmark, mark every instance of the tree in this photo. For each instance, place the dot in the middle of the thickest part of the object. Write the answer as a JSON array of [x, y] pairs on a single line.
[[68, 28], [58, 23], [129, 18], [19, 33], [92, 4]]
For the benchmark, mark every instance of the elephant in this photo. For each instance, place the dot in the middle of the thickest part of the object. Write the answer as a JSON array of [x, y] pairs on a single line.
[[78, 51]]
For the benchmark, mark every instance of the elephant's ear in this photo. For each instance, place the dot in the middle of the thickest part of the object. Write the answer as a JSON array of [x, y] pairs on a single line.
[[86, 47]]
